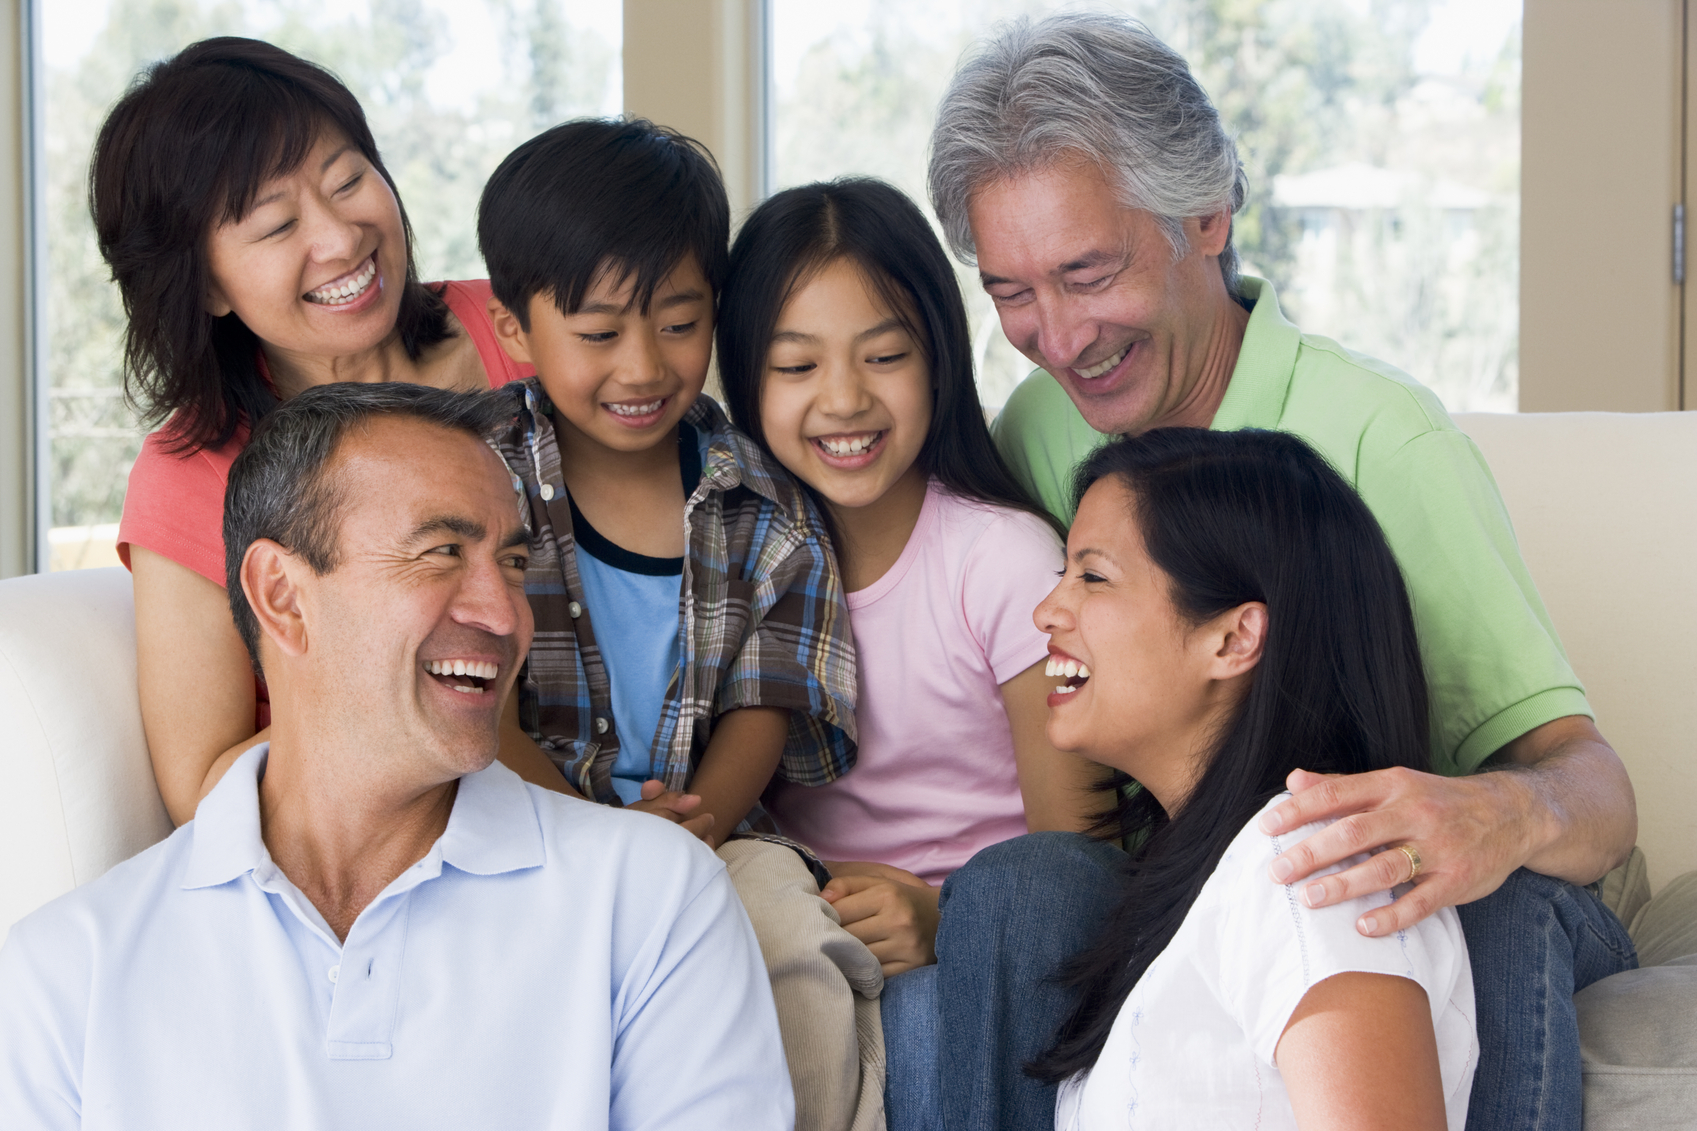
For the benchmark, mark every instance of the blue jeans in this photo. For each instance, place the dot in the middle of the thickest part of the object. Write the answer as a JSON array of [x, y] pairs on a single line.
[[1534, 943], [958, 1035]]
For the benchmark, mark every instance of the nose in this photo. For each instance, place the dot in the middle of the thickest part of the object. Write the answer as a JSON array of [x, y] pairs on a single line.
[[330, 235], [487, 601], [842, 391], [644, 363], [1063, 331], [1052, 614]]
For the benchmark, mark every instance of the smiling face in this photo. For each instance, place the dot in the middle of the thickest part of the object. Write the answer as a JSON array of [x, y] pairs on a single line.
[[415, 637], [846, 398], [1089, 290], [1139, 687], [620, 378], [317, 267]]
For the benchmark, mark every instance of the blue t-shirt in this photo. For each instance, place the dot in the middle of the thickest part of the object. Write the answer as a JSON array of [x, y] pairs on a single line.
[[637, 625]]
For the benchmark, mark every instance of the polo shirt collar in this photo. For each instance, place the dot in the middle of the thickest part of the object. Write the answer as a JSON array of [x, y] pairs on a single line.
[[493, 827], [1260, 381], [227, 843]]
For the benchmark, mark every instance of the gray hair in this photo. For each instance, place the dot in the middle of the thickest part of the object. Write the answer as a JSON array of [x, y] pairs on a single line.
[[278, 488], [1100, 87]]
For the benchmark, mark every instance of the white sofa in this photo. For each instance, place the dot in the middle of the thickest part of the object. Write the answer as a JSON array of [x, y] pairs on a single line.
[[1604, 505]]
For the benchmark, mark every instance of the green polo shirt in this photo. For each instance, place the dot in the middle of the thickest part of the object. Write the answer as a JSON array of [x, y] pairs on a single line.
[[1494, 665]]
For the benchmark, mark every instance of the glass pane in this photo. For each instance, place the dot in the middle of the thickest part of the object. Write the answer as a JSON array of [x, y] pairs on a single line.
[[450, 87], [1381, 138]]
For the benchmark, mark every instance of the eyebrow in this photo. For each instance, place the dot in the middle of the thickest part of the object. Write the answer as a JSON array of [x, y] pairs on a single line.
[[1096, 258], [798, 336], [469, 529], [517, 536], [278, 195], [666, 303]]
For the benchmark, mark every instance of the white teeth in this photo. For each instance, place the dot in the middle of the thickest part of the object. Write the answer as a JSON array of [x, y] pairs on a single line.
[[849, 447], [343, 292], [1065, 669], [1063, 689], [636, 409], [479, 669], [1098, 370], [468, 690]]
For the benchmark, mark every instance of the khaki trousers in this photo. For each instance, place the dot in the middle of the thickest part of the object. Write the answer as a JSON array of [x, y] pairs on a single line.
[[825, 984]]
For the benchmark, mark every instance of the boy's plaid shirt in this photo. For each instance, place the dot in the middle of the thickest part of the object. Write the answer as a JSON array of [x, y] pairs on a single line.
[[761, 613]]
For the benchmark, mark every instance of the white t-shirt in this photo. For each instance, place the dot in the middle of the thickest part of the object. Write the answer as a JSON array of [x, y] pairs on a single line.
[[934, 780], [1193, 1044]]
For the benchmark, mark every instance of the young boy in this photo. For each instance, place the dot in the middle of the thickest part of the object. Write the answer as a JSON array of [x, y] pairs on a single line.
[[691, 632], [606, 243]]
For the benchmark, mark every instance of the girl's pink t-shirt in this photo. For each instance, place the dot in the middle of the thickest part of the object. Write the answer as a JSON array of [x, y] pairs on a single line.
[[174, 505], [936, 637]]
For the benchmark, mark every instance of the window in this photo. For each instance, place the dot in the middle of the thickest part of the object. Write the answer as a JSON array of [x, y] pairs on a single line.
[[1382, 142], [450, 87]]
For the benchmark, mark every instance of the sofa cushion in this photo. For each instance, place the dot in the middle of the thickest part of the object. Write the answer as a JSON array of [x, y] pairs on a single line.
[[1638, 1029], [76, 788]]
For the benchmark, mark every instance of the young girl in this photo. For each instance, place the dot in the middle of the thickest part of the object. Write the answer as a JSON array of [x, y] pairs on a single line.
[[844, 350]]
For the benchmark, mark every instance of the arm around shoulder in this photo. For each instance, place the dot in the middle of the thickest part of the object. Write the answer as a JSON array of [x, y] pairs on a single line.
[[186, 638]]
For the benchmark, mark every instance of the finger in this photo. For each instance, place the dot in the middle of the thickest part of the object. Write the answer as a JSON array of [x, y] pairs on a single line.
[[1337, 842], [1426, 897], [652, 788], [1318, 800], [1381, 873], [700, 826], [653, 810], [679, 802]]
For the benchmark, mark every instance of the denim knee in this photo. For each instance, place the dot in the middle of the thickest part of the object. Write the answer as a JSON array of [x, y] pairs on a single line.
[[1532, 905], [1032, 869]]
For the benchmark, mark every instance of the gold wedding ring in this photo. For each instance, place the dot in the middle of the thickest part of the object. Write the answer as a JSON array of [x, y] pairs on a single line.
[[1413, 855]]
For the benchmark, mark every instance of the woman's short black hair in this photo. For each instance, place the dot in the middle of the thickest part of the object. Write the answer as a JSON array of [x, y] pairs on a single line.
[[874, 225], [186, 149], [625, 199], [1230, 518]]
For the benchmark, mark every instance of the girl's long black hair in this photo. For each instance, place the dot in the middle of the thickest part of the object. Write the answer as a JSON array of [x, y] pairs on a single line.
[[800, 230], [1234, 517]]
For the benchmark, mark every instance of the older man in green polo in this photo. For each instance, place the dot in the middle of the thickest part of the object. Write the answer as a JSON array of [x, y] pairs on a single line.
[[1087, 173]]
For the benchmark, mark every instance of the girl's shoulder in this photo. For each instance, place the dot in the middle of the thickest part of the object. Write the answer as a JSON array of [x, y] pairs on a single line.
[[975, 525]]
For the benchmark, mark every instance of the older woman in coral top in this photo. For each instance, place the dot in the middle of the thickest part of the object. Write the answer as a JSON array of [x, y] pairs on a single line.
[[260, 249]]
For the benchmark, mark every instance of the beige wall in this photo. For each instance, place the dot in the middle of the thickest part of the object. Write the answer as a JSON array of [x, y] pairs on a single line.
[[696, 65], [1600, 174], [16, 453]]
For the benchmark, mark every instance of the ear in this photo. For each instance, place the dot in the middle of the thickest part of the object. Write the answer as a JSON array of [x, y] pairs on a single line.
[[270, 581], [216, 304], [1211, 232], [509, 332], [1242, 636]]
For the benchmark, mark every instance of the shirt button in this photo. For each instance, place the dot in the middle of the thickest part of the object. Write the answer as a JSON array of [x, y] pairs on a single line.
[[575, 609], [334, 972], [601, 725], [547, 491]]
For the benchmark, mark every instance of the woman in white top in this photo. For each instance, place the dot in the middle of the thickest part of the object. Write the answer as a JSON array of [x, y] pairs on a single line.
[[1229, 612]]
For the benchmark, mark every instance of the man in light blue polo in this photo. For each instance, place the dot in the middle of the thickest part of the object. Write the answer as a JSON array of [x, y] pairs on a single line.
[[369, 924], [1081, 165]]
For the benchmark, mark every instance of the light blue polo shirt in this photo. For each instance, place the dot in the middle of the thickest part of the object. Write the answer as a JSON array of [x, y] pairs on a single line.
[[549, 963]]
